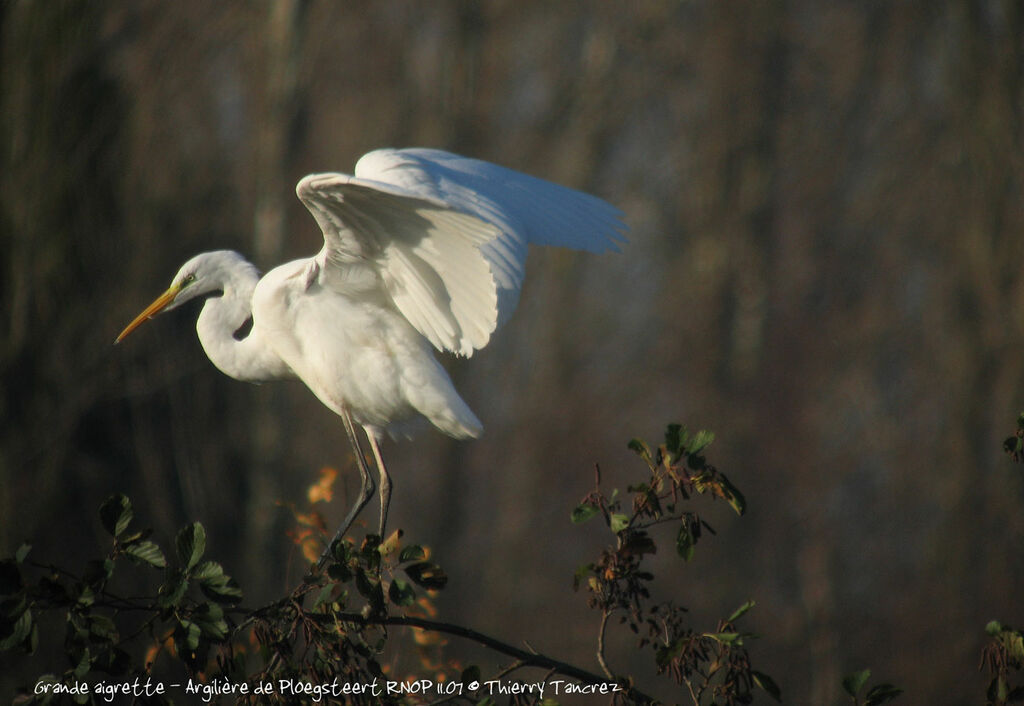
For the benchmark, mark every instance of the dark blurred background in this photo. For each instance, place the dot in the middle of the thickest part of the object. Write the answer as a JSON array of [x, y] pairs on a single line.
[[827, 212]]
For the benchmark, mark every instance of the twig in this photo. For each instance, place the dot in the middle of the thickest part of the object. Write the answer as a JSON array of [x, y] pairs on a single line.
[[660, 521], [527, 659], [689, 687], [600, 644]]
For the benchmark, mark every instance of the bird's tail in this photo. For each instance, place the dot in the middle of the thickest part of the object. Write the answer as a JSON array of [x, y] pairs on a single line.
[[457, 420], [429, 390], [462, 426]]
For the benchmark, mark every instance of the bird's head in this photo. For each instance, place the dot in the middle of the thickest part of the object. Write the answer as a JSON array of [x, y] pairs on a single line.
[[204, 274]]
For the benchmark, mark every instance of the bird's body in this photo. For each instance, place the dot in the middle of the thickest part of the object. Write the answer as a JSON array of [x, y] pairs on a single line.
[[423, 250], [367, 359]]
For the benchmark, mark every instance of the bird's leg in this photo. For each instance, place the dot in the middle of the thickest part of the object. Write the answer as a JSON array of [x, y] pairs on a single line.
[[365, 488], [385, 482]]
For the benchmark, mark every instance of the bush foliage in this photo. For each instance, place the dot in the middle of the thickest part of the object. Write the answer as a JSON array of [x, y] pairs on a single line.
[[192, 637]]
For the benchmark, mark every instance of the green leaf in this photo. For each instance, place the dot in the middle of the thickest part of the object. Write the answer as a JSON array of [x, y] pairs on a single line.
[[720, 485], [23, 550], [222, 589], [210, 619], [766, 683], [740, 612], [147, 552], [371, 589], [191, 543], [341, 550], [102, 628], [734, 497], [727, 638], [209, 611], [115, 514], [20, 630], [86, 596], [401, 593], [638, 488], [173, 590], [1013, 446], [675, 440], [640, 543], [642, 450], [853, 683], [686, 542], [189, 635], [664, 654], [700, 441], [11, 609], [366, 586], [582, 572], [618, 522], [1009, 639], [427, 575], [208, 571], [413, 552], [582, 513], [997, 690], [370, 551], [881, 693], [339, 572], [84, 664], [1015, 646], [324, 596]]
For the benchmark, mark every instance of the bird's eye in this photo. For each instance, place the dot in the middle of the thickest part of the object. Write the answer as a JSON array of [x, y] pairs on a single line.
[[190, 278]]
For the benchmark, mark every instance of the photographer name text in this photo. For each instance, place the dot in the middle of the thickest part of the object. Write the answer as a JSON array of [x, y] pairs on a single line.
[[317, 691]]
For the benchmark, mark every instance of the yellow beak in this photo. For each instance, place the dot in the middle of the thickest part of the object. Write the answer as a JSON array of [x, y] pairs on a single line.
[[150, 311]]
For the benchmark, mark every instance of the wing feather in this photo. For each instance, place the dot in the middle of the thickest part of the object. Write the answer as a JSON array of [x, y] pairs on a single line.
[[424, 252], [527, 210], [447, 236]]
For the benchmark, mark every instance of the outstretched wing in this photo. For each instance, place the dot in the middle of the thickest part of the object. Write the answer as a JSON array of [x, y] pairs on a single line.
[[526, 210], [426, 254], [449, 235]]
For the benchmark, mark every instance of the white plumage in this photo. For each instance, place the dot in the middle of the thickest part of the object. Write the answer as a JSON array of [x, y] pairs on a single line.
[[421, 248]]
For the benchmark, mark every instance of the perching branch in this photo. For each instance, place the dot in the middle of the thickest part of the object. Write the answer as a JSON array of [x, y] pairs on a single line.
[[525, 658]]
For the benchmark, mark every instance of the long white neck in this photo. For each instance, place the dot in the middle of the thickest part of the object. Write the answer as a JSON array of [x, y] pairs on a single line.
[[246, 357]]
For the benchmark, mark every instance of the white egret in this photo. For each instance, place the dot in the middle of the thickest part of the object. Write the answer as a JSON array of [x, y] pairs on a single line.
[[422, 248]]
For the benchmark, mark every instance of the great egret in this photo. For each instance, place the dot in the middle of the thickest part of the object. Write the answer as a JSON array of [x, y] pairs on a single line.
[[421, 248]]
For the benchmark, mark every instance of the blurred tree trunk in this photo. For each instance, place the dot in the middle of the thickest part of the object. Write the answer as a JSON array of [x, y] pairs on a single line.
[[61, 118], [279, 137]]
